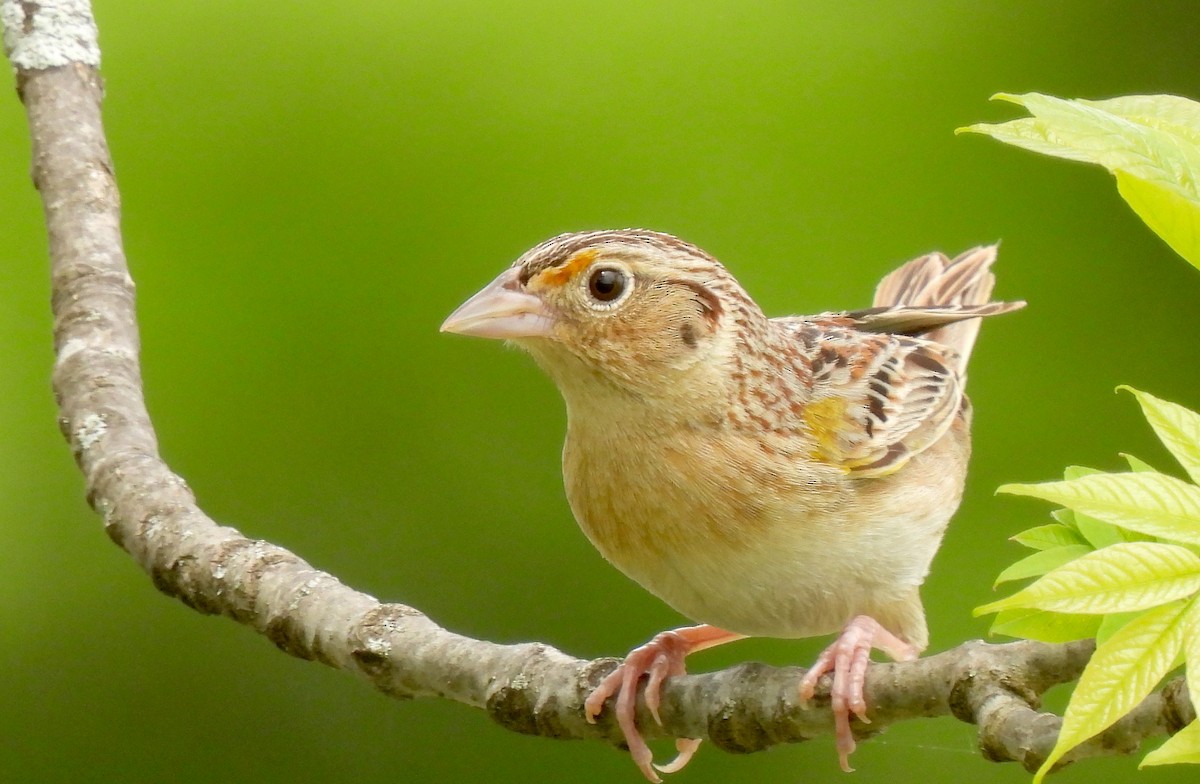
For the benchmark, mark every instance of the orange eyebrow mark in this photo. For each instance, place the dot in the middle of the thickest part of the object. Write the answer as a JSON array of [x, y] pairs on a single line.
[[557, 276]]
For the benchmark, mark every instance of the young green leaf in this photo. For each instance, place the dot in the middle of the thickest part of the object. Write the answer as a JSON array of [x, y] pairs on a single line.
[[1096, 132], [1045, 626], [1121, 578], [1177, 427], [1076, 471], [1169, 214], [1095, 532], [1191, 652], [1112, 623], [1183, 746], [1150, 142], [1045, 537], [1171, 113], [1138, 465], [1153, 504], [1041, 562], [1120, 674], [1064, 516]]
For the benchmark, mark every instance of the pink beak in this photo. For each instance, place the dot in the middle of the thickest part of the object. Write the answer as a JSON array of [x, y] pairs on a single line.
[[502, 310]]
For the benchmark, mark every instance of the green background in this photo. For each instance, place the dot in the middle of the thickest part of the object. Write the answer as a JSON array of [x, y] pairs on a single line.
[[311, 187]]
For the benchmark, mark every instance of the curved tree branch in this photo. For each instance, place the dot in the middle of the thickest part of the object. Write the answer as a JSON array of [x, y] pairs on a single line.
[[531, 688]]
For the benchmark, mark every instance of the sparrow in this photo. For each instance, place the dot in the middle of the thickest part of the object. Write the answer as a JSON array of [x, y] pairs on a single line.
[[783, 477]]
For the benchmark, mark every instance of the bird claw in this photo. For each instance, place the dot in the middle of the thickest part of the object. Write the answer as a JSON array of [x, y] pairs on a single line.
[[847, 658], [664, 664], [686, 747], [659, 659]]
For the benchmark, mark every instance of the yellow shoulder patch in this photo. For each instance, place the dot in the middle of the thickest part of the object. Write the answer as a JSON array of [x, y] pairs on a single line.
[[825, 419]]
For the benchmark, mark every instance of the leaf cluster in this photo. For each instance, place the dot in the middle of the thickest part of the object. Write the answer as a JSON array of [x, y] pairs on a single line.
[[1120, 562]]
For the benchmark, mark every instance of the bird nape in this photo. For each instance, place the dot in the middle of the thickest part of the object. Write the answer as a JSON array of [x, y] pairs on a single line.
[[785, 477]]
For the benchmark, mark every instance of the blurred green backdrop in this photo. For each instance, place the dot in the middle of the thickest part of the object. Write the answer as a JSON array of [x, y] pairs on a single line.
[[309, 188]]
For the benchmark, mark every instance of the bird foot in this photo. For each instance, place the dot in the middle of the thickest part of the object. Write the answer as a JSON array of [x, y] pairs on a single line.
[[847, 658], [658, 659]]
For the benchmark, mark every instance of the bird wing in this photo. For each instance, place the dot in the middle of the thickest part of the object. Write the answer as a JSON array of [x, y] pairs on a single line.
[[888, 381], [876, 399]]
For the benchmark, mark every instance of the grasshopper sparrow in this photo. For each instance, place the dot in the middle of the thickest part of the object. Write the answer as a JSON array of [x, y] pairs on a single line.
[[785, 477]]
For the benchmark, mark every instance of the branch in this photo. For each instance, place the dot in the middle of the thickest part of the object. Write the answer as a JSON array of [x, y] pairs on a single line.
[[531, 688]]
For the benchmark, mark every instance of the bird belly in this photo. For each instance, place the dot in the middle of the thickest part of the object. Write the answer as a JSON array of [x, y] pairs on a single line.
[[763, 552], [805, 585]]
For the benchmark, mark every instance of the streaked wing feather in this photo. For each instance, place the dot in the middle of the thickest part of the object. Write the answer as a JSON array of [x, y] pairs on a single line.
[[888, 398]]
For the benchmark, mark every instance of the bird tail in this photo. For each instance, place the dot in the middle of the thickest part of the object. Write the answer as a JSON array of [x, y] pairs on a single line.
[[964, 283]]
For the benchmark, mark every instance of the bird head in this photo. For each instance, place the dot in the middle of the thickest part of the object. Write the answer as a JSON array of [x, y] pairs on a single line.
[[639, 311]]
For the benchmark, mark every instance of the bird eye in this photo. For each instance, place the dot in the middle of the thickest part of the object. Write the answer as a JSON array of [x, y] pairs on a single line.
[[607, 284]]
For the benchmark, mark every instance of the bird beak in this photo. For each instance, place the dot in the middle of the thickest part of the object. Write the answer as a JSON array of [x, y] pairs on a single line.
[[502, 310]]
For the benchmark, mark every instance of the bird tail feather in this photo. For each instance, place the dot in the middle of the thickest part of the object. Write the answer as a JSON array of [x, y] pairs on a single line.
[[934, 281]]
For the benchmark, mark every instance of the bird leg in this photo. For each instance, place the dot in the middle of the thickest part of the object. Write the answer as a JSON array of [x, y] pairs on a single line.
[[658, 659], [847, 659]]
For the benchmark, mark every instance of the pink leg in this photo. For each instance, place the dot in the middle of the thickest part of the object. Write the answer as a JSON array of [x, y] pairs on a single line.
[[847, 659], [658, 659]]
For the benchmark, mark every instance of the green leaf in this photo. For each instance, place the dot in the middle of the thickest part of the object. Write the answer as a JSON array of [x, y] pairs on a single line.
[[1191, 652], [1151, 143], [1153, 504], [1045, 626], [1039, 563], [1098, 132], [1064, 516], [1120, 674], [1169, 214], [1045, 537], [1121, 578], [1177, 427], [1076, 471], [1137, 465], [1112, 623], [1096, 532], [1183, 746], [1171, 113]]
